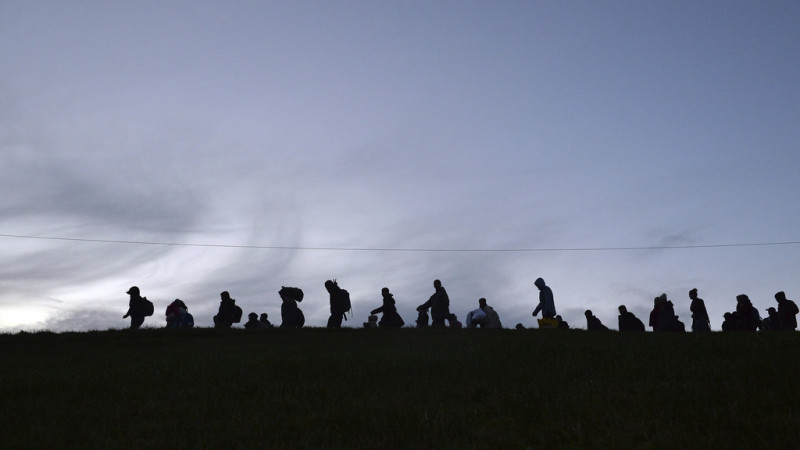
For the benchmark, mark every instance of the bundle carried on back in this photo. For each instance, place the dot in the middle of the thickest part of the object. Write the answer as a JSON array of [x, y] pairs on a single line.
[[293, 293]]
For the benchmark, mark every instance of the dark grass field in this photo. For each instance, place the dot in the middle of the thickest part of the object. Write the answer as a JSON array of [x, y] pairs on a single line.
[[356, 388]]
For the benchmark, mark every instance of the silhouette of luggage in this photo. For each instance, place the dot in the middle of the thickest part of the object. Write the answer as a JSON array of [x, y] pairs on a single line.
[[545, 323]]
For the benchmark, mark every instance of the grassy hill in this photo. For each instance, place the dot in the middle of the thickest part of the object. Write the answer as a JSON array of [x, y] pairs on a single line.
[[409, 388]]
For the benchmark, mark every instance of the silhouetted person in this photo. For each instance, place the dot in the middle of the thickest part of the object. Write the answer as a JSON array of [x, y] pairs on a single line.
[[137, 308], [252, 322], [787, 311], [439, 304], [422, 317], [699, 313], [562, 324], [372, 321], [746, 316], [177, 314], [226, 315], [628, 321], [546, 304], [485, 317], [667, 320], [265, 320], [453, 322], [291, 315], [340, 303], [728, 322], [658, 303], [593, 323], [773, 321], [390, 318]]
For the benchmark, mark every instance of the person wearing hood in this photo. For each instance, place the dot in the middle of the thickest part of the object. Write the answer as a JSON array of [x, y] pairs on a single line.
[[439, 304], [787, 311], [546, 303], [390, 318]]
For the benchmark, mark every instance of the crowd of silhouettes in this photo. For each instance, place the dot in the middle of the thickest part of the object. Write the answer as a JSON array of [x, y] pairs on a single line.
[[662, 317]]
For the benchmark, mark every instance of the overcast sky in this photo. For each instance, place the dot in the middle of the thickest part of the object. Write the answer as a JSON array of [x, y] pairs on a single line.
[[229, 127]]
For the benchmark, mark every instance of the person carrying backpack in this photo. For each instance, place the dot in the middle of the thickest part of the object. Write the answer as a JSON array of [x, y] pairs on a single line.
[[340, 304], [628, 321], [291, 315], [229, 313], [138, 308]]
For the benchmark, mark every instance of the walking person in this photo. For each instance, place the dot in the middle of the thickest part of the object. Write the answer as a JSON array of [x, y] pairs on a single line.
[[546, 302], [390, 318], [138, 308], [699, 313], [439, 304], [340, 304]]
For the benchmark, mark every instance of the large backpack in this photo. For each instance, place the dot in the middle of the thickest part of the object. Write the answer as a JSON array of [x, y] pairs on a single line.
[[146, 307], [237, 314], [343, 299]]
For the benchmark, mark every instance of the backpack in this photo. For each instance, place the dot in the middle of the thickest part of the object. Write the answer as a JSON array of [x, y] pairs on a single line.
[[146, 307], [294, 293], [343, 300], [237, 314]]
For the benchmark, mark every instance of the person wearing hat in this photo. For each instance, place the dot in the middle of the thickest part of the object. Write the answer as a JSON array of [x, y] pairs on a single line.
[[135, 308]]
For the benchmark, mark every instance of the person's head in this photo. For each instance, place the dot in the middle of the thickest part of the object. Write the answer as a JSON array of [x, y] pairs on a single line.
[[133, 291], [539, 283], [693, 294], [264, 316], [741, 298], [771, 311], [727, 315], [437, 284], [329, 285], [662, 298], [452, 318], [385, 292], [372, 318], [252, 316], [622, 309], [482, 302], [780, 296], [588, 313], [225, 295]]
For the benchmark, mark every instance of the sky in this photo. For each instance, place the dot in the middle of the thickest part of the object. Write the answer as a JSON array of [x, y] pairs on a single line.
[[618, 150]]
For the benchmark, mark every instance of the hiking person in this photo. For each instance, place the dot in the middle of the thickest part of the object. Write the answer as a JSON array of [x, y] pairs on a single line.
[[746, 316], [291, 315], [562, 324], [390, 318], [546, 303], [593, 323], [265, 320], [628, 321], [699, 313], [340, 303], [439, 305], [667, 319], [485, 317], [657, 304], [253, 323], [177, 314], [228, 313], [138, 308], [787, 311]]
